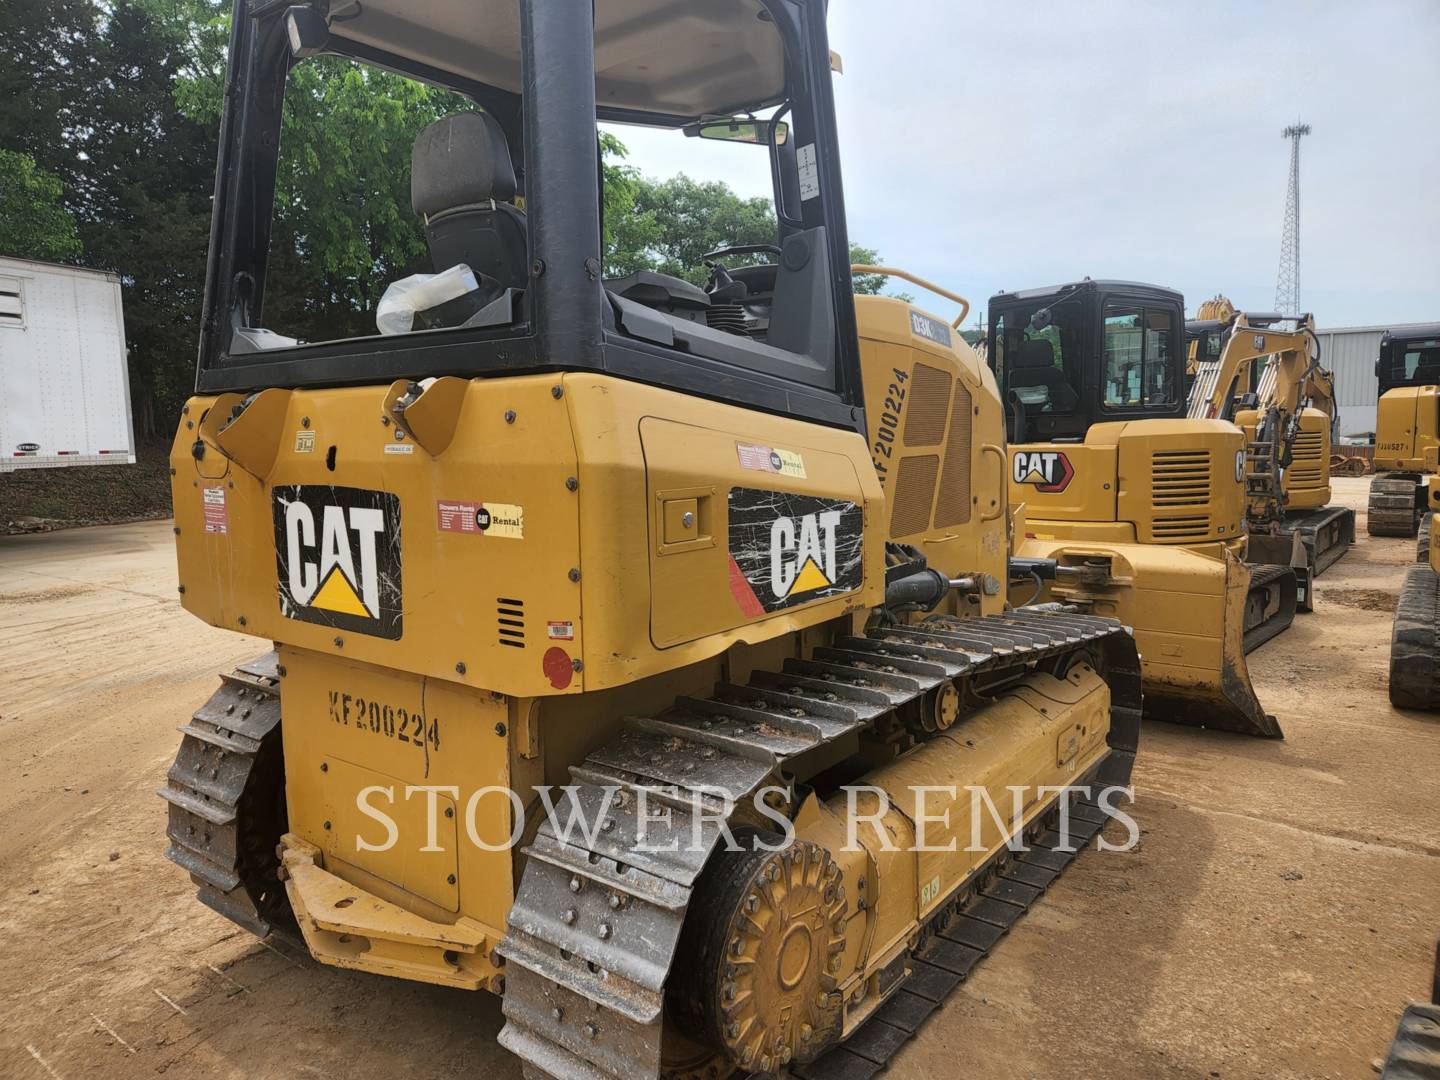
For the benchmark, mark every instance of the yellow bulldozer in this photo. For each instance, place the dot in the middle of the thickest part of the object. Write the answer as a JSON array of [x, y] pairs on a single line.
[[1269, 381], [1407, 429], [1142, 508], [628, 635]]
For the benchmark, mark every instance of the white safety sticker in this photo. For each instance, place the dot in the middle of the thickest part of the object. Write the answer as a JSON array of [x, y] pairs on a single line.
[[399, 448], [217, 515], [809, 172]]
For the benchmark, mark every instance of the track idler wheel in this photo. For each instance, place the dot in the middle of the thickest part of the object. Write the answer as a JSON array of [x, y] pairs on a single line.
[[762, 942]]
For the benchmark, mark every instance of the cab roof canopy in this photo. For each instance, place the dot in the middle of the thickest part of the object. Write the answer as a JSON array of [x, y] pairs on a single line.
[[661, 61]]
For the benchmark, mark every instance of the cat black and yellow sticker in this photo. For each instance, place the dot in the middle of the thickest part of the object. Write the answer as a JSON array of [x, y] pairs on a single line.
[[788, 549], [337, 557]]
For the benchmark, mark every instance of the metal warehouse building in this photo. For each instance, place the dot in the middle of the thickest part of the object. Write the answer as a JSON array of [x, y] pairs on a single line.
[[1349, 352]]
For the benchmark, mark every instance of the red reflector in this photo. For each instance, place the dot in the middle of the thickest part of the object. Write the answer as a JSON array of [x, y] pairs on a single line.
[[1210, 413], [1029, 536], [62, 453]]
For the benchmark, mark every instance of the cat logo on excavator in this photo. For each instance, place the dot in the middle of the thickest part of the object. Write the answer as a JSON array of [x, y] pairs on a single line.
[[1048, 470]]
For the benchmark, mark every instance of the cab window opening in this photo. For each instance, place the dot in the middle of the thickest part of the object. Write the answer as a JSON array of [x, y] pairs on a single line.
[[1138, 354]]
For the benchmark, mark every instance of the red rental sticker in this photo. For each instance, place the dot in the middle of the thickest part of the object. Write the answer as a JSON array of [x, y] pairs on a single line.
[[458, 516]]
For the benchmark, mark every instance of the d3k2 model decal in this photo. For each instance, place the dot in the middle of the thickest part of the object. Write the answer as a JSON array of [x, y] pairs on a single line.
[[337, 555], [788, 549], [1048, 470]]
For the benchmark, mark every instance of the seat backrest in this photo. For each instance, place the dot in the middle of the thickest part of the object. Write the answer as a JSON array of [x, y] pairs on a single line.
[[1035, 364], [461, 182]]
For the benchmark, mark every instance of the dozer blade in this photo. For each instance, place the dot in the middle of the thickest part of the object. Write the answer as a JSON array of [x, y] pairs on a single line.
[[1188, 611], [1270, 604], [1223, 698]]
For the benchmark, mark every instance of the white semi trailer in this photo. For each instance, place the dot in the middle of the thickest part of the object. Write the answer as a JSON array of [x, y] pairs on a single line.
[[64, 384]]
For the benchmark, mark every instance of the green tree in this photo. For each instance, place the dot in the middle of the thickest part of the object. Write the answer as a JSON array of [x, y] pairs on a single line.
[[33, 222], [670, 225]]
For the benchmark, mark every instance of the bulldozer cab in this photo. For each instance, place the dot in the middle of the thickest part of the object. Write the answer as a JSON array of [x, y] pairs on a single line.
[[506, 191], [1086, 353]]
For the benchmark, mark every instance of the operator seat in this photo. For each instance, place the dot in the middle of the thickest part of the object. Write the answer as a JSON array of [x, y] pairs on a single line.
[[1035, 366], [462, 182]]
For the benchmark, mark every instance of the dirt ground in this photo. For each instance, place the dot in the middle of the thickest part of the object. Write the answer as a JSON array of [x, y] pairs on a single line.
[[1279, 910]]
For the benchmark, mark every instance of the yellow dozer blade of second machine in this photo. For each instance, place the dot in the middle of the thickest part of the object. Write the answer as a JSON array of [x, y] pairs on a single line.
[[729, 563]]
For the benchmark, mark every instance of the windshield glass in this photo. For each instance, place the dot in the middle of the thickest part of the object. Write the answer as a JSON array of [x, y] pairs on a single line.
[[1038, 354], [1138, 357], [1417, 362]]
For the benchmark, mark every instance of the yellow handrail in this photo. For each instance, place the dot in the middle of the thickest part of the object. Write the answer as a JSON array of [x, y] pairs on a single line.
[[905, 275]]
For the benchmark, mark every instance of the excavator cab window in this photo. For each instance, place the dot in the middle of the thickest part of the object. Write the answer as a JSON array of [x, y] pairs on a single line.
[[1410, 358], [1092, 351], [1422, 362], [1139, 359], [494, 262], [1034, 351]]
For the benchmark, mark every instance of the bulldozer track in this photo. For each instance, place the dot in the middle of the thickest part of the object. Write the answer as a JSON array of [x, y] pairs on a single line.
[[225, 791], [1391, 508], [596, 921], [1414, 662]]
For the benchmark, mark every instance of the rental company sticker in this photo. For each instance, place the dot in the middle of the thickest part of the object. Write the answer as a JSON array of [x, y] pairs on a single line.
[[562, 631], [304, 442], [217, 515], [771, 460], [399, 448], [482, 519]]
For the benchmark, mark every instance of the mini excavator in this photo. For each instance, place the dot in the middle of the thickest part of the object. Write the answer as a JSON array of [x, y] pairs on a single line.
[[1142, 507]]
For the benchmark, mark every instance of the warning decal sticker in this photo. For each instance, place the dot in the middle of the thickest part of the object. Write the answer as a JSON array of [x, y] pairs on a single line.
[[337, 556], [788, 549], [217, 516]]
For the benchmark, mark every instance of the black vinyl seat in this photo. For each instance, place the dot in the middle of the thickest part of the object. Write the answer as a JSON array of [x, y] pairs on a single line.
[[462, 182], [1035, 367]]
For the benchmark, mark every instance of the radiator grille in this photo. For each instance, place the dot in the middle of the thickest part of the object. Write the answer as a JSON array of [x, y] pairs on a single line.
[[1307, 463], [510, 616], [929, 401], [914, 493], [953, 506], [1180, 494]]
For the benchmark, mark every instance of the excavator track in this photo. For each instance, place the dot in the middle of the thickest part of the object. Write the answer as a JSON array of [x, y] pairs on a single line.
[[1270, 603], [1414, 660], [597, 919], [1327, 533], [1391, 510], [226, 792]]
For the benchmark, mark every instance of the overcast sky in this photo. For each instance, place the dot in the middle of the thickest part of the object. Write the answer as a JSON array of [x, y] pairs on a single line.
[[993, 144]]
